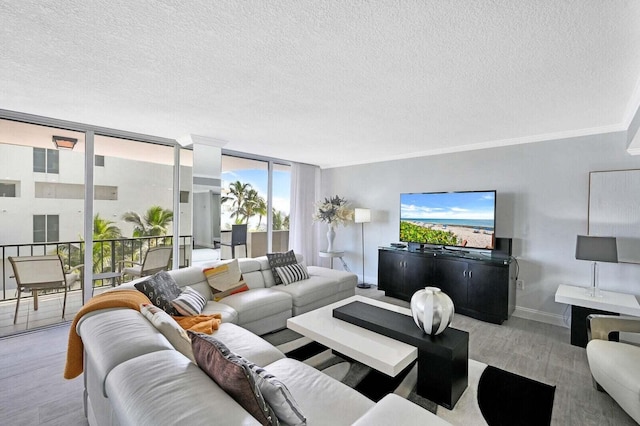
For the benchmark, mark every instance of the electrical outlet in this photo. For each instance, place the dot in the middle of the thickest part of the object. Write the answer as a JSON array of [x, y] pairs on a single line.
[[520, 284]]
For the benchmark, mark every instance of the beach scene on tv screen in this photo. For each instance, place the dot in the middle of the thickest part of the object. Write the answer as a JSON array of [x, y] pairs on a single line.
[[465, 219]]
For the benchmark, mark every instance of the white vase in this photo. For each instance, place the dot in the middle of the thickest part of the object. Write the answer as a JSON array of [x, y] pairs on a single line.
[[331, 234], [432, 310]]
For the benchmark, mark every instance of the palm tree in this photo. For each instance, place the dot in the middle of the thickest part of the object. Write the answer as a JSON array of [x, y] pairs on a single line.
[[103, 229], [277, 220], [253, 204], [237, 195], [260, 209], [155, 222]]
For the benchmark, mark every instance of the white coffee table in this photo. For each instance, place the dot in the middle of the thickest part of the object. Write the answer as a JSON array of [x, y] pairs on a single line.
[[382, 353]]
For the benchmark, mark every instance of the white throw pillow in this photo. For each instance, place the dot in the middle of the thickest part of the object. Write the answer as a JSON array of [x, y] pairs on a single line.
[[169, 328]]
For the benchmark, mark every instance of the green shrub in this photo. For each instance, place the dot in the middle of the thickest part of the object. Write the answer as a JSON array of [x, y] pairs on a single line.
[[420, 234]]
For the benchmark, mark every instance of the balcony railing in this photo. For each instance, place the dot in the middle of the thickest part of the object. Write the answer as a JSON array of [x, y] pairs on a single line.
[[106, 256]]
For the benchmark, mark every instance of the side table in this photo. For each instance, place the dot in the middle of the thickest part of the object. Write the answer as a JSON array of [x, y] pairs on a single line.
[[333, 254], [609, 303]]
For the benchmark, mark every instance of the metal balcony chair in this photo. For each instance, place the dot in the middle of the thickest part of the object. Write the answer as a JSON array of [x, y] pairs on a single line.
[[238, 238], [155, 259], [35, 273]]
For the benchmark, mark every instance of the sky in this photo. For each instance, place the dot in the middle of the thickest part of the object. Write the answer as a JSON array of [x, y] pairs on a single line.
[[448, 205]]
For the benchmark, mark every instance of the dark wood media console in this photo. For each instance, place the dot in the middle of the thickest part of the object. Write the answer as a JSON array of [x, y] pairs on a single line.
[[481, 286], [443, 360]]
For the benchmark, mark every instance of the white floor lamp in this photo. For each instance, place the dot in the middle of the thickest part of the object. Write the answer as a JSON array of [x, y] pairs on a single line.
[[362, 216]]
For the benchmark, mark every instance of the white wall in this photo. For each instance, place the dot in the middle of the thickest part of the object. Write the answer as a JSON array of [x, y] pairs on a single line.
[[140, 185], [542, 204]]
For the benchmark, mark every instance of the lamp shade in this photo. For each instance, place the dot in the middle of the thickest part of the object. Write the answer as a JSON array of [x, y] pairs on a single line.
[[597, 249], [362, 215]]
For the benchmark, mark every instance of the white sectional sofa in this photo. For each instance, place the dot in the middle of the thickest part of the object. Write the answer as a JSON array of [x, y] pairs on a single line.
[[134, 376], [266, 307]]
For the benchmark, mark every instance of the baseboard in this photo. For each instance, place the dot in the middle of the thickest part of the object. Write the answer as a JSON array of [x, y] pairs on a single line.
[[540, 316]]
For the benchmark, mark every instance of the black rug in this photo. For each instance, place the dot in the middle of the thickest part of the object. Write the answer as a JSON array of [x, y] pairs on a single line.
[[509, 399], [503, 398]]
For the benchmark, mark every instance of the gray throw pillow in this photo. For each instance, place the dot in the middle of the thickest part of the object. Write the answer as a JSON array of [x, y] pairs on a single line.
[[232, 374], [161, 289], [278, 260], [278, 396]]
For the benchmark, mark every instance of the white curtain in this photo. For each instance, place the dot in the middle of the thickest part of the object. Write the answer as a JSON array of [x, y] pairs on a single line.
[[303, 234]]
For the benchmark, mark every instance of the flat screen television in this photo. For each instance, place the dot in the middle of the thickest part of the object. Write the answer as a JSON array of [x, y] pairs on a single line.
[[449, 219]]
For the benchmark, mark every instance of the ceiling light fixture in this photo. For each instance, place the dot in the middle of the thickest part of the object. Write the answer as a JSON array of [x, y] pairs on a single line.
[[64, 142]]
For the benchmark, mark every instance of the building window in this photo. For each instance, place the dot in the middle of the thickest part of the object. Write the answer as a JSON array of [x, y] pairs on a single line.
[[7, 189], [46, 160], [99, 160], [184, 197], [46, 228]]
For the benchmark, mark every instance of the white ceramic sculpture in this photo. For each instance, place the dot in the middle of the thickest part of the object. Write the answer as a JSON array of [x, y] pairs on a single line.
[[432, 310]]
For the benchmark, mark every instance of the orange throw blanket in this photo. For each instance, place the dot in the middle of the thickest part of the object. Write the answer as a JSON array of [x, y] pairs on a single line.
[[206, 324], [124, 299], [110, 299]]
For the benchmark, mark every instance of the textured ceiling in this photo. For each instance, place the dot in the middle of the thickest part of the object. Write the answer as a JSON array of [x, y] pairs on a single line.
[[328, 82]]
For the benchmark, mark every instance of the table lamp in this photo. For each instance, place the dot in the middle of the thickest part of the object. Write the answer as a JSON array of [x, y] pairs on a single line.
[[596, 249], [362, 216]]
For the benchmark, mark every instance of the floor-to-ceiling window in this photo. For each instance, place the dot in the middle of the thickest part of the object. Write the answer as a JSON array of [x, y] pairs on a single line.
[[45, 165], [256, 192], [41, 213], [133, 204]]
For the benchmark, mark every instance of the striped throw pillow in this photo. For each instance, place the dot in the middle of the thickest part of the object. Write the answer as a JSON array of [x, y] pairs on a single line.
[[292, 273], [189, 303]]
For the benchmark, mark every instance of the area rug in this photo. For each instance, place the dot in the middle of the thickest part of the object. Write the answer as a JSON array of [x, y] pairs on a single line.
[[493, 397]]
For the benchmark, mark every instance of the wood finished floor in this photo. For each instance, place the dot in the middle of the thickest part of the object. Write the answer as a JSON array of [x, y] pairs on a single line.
[[33, 392]]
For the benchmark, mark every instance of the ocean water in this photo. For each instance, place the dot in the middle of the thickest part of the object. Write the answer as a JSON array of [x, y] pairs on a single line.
[[486, 224]]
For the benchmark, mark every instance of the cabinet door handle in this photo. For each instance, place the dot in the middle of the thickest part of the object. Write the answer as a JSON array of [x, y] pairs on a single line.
[[470, 274], [464, 273]]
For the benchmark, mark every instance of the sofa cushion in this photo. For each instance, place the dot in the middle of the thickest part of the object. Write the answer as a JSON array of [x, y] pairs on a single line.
[[322, 399], [255, 279], [310, 290], [161, 289], [248, 265], [113, 336], [190, 302], [280, 259], [182, 395], [228, 313], [258, 303], [292, 273], [345, 280], [232, 374], [169, 328], [248, 345]]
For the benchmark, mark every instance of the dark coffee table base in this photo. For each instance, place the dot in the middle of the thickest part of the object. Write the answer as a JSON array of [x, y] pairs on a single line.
[[443, 360]]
